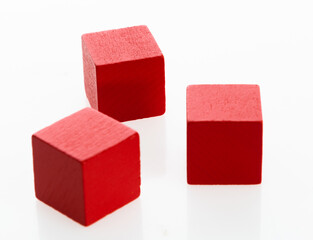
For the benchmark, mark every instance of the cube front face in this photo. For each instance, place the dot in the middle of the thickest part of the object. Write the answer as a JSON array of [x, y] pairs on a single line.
[[58, 180], [124, 73], [132, 90], [224, 134], [86, 165], [112, 179], [224, 152]]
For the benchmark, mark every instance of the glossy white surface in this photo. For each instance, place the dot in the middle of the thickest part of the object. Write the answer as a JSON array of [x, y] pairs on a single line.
[[265, 42]]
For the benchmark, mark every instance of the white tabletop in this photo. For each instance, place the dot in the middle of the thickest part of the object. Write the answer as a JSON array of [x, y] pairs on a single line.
[[259, 42]]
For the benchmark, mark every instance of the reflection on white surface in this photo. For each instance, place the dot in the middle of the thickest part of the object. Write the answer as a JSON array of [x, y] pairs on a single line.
[[125, 223], [152, 133], [224, 212]]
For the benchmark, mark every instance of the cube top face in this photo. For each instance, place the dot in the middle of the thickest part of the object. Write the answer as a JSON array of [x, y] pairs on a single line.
[[224, 103], [84, 134], [121, 45]]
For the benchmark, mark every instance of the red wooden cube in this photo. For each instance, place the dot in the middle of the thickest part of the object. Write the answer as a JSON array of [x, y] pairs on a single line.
[[124, 73], [86, 165], [224, 134]]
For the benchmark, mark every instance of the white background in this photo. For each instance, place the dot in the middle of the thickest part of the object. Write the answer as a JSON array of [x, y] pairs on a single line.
[[267, 42]]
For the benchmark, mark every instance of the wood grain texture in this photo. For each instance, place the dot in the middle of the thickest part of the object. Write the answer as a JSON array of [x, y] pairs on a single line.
[[121, 45], [231, 102], [224, 134], [86, 165], [129, 73]]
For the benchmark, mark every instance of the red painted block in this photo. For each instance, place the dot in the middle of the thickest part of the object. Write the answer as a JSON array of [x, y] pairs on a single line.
[[86, 165], [224, 134], [124, 73]]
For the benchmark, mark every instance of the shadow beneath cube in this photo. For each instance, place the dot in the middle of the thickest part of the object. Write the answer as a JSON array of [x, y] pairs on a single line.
[[152, 133], [224, 212], [124, 223]]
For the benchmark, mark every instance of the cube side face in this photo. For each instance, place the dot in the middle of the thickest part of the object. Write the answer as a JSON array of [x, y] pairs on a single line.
[[132, 90], [224, 152], [58, 180], [90, 78], [112, 179]]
